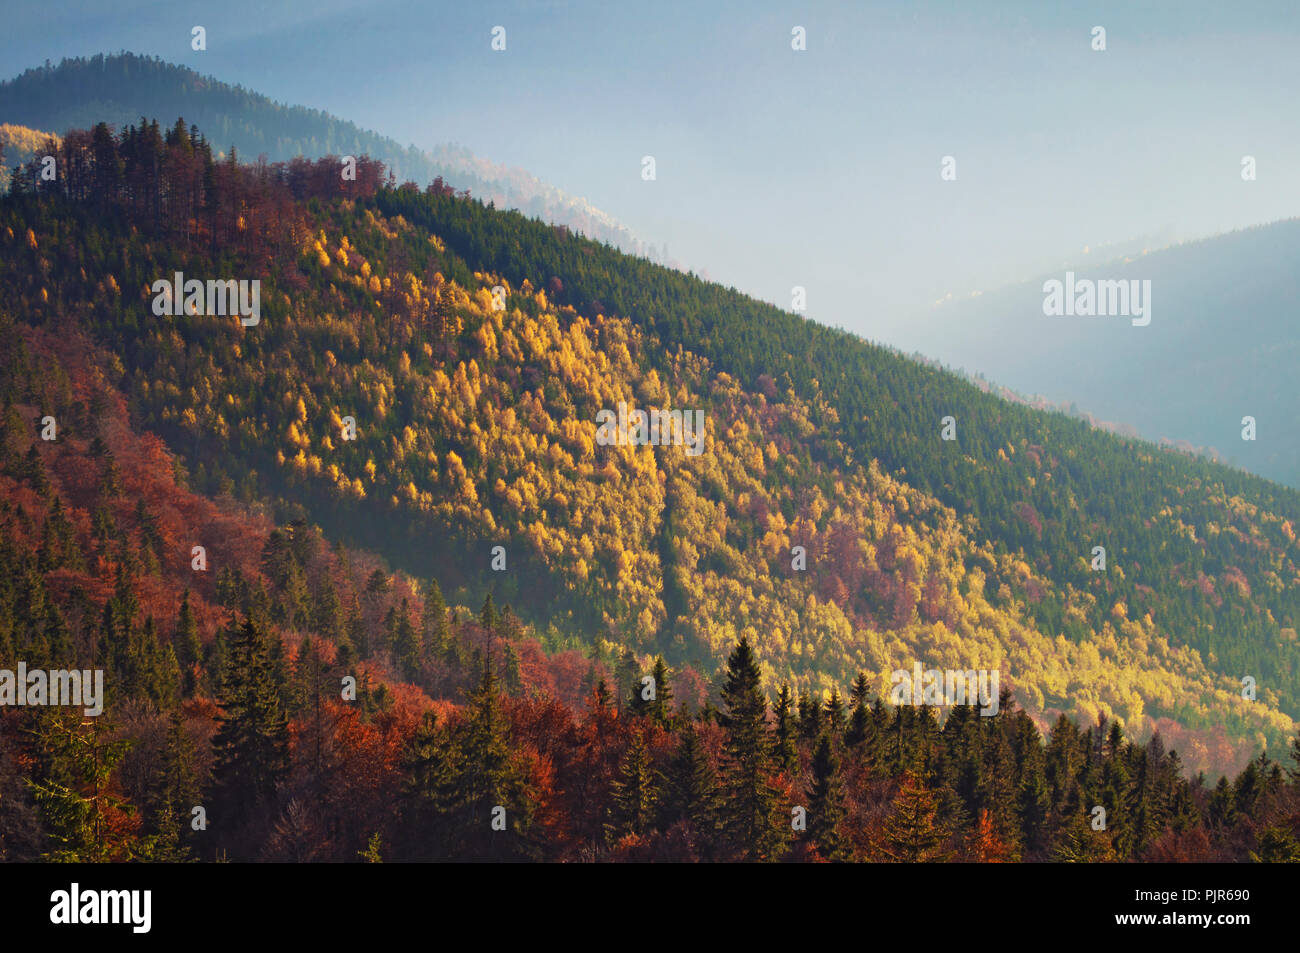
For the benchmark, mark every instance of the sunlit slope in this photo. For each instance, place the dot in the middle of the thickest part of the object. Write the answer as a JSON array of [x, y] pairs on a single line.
[[477, 427]]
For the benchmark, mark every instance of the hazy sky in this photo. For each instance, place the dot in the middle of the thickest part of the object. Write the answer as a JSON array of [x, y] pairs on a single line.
[[779, 168]]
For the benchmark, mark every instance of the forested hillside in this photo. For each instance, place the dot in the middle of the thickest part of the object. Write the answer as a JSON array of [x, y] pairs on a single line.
[[521, 696], [225, 734], [476, 428]]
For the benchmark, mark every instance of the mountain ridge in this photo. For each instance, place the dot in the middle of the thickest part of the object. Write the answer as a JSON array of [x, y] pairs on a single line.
[[1219, 348], [120, 88]]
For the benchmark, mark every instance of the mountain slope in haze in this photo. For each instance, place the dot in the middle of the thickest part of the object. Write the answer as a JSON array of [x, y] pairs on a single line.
[[1223, 344], [119, 89], [476, 427]]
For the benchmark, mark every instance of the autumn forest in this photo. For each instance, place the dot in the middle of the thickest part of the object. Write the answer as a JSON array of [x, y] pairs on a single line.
[[365, 585]]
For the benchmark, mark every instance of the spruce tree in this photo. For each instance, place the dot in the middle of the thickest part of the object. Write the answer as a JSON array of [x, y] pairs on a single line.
[[178, 794], [430, 768], [118, 650], [690, 789], [1249, 789], [407, 648], [163, 684], [328, 615], [661, 708], [295, 600], [487, 777], [1033, 801], [633, 793], [600, 694], [72, 788], [860, 731], [511, 674], [433, 623], [358, 633], [627, 689], [751, 816], [189, 650], [487, 616], [810, 717], [826, 802], [860, 693], [1143, 805], [1276, 845], [1115, 795], [251, 745], [912, 834], [1183, 812], [1080, 844], [835, 716], [787, 754], [1223, 806]]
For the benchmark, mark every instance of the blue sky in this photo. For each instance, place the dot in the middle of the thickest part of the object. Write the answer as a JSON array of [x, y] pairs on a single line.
[[779, 168]]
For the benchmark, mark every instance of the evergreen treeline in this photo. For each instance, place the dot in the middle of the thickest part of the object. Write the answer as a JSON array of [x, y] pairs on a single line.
[[293, 773]]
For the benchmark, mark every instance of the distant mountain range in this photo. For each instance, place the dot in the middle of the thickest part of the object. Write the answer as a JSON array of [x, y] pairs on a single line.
[[1222, 344], [119, 89]]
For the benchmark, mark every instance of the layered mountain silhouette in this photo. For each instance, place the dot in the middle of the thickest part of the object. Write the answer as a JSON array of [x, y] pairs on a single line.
[[1222, 345], [119, 89]]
